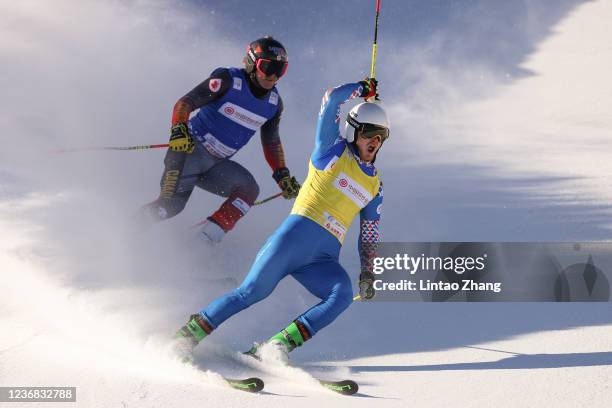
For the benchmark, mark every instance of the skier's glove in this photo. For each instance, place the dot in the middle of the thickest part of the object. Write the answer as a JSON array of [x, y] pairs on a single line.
[[180, 139], [287, 183], [370, 86], [366, 285]]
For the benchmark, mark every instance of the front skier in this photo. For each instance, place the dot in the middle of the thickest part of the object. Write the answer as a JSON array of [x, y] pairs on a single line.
[[233, 104], [341, 182]]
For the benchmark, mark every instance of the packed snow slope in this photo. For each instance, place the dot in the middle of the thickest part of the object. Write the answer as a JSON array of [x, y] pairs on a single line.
[[500, 124]]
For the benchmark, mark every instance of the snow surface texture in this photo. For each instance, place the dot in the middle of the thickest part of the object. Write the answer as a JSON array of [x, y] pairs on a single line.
[[500, 114]]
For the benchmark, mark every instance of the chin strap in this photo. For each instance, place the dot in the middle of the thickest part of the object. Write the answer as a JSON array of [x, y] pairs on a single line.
[[257, 89]]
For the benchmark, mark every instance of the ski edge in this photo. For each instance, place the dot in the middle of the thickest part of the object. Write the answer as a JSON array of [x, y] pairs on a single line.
[[344, 387], [252, 384]]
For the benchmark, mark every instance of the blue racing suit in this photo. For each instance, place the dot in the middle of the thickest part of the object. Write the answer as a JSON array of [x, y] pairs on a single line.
[[307, 244]]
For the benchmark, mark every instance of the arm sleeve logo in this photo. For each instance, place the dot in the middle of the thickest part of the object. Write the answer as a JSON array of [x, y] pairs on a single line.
[[214, 84]]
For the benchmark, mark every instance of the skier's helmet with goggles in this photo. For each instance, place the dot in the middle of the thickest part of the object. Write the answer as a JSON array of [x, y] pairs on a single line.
[[368, 120], [267, 56]]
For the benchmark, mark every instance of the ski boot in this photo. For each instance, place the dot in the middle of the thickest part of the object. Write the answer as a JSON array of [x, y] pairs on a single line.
[[210, 233], [188, 336], [282, 343]]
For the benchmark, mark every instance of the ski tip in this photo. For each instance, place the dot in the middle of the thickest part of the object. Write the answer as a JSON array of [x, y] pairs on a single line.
[[252, 353], [344, 387], [252, 384]]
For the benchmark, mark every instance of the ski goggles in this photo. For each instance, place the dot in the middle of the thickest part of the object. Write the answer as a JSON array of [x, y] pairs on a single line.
[[368, 130], [270, 67]]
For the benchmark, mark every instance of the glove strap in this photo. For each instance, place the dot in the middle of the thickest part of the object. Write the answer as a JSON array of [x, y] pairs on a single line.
[[280, 174], [365, 276], [181, 127]]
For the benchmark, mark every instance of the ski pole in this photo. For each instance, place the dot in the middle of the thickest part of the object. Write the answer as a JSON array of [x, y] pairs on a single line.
[[265, 200], [94, 149], [357, 298], [375, 43]]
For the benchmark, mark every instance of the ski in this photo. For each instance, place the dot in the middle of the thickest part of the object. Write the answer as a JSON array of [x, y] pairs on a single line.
[[344, 387], [252, 384]]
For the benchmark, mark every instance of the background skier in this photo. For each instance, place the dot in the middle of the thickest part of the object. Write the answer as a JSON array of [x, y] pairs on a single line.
[[341, 182], [233, 104]]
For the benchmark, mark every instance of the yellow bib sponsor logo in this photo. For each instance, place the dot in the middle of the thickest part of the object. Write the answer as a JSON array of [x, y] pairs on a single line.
[[353, 190], [334, 226]]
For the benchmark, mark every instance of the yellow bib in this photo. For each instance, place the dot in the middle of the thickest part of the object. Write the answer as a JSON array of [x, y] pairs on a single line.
[[332, 197]]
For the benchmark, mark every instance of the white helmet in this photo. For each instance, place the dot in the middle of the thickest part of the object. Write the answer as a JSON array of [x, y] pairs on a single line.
[[363, 116]]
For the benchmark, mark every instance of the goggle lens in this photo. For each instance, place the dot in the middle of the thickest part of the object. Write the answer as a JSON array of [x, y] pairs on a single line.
[[368, 131], [269, 67], [371, 131]]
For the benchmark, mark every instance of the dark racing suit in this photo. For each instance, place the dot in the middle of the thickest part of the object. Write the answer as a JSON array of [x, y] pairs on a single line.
[[231, 109]]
